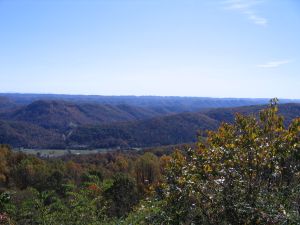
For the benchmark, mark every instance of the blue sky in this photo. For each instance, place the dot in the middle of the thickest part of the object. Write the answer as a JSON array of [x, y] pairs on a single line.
[[215, 48]]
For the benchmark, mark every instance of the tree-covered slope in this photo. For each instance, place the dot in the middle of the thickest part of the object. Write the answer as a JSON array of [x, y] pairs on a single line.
[[22, 134], [289, 111], [49, 123], [62, 115], [180, 128], [166, 130]]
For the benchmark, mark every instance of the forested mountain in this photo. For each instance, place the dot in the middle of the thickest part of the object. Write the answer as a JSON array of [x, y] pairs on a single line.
[[289, 111], [174, 129], [6, 103], [62, 115], [66, 124], [19, 134]]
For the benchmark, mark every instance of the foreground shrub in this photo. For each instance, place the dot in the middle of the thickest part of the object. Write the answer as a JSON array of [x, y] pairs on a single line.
[[245, 173]]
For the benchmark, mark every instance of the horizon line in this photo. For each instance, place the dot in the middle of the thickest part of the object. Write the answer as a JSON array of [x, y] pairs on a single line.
[[132, 95]]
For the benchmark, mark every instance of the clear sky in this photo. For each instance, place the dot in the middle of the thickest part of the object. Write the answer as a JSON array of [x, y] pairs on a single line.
[[215, 48]]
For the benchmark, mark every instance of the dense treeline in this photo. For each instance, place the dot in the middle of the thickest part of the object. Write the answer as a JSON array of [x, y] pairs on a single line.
[[246, 172], [91, 189]]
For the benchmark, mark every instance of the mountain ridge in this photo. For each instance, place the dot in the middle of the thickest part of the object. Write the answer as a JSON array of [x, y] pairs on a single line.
[[63, 124], [171, 129]]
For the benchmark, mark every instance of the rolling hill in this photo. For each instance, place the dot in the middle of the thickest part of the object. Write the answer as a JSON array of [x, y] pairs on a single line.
[[174, 129], [167, 130], [62, 115], [22, 134], [90, 122], [289, 110]]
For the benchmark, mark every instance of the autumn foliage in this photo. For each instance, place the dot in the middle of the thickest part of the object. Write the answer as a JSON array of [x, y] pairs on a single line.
[[247, 172]]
